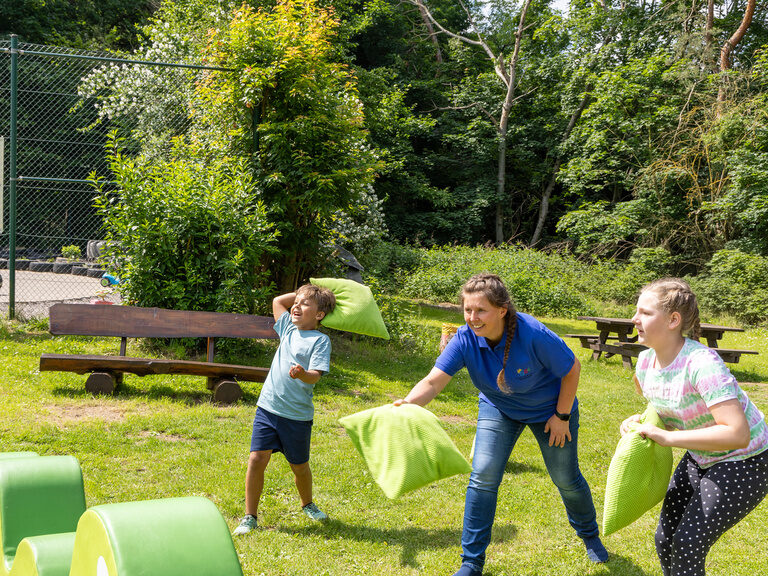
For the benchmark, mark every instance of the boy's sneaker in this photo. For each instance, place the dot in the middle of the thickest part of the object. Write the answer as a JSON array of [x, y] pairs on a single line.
[[247, 524], [314, 512]]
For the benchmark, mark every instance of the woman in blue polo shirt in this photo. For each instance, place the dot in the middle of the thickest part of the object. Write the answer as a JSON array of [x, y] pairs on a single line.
[[526, 376]]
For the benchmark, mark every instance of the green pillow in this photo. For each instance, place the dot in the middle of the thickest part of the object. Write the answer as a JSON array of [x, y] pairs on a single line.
[[404, 447], [356, 310], [637, 477]]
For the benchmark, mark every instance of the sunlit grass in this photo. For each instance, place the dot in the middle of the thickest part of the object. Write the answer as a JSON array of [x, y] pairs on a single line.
[[161, 437]]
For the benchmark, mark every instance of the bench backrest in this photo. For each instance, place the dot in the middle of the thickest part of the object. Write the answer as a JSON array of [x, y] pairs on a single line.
[[135, 322]]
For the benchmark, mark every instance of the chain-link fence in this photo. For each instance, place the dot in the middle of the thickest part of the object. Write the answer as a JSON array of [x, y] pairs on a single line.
[[57, 106]]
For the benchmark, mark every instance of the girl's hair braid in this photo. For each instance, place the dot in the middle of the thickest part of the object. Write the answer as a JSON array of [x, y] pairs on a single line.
[[491, 286], [675, 295]]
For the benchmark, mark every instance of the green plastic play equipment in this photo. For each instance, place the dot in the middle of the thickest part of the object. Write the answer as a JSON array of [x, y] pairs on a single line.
[[168, 537], [45, 529], [49, 555], [38, 496], [10, 455]]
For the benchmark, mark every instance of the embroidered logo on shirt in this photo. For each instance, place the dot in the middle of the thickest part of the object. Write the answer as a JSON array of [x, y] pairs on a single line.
[[523, 371]]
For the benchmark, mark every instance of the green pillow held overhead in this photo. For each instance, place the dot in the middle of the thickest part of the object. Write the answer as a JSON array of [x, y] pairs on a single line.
[[404, 447], [637, 477], [356, 310]]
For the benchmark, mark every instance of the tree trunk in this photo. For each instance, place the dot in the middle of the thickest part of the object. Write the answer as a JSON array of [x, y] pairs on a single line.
[[501, 173], [710, 24], [544, 206], [432, 34], [731, 43]]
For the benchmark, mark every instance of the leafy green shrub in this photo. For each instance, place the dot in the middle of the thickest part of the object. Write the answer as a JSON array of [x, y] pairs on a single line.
[[540, 283], [735, 283], [71, 252], [386, 259], [187, 233]]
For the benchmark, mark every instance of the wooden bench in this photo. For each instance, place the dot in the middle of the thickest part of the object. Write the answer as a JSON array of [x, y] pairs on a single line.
[[633, 349], [124, 322]]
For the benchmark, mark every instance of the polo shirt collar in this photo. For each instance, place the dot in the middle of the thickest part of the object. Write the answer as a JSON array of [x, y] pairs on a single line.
[[482, 342]]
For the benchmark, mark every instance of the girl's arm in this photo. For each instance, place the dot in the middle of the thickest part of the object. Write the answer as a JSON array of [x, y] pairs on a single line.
[[426, 389], [730, 432]]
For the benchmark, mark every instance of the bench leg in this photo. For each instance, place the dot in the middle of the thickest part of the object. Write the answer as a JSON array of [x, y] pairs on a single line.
[[101, 383], [227, 391]]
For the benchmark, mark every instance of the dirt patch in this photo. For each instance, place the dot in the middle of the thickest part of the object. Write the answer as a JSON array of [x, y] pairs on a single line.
[[67, 414], [161, 436]]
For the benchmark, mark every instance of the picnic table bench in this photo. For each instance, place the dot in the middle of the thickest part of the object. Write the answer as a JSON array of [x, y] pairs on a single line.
[[106, 372], [615, 338]]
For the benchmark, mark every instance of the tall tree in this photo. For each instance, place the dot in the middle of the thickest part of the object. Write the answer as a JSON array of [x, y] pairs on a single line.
[[506, 72]]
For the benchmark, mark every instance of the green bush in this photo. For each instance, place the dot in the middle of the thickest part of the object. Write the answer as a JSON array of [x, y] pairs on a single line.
[[541, 284], [187, 233], [71, 252], [386, 259], [736, 283]]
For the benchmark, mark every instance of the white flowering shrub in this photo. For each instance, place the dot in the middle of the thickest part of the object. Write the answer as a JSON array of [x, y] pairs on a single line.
[[359, 227]]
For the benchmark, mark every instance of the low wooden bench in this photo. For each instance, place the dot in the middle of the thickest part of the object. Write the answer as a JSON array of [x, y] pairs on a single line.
[[124, 322]]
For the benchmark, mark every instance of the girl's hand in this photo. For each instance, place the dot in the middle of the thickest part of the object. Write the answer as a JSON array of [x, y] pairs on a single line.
[[400, 402], [654, 433], [625, 426]]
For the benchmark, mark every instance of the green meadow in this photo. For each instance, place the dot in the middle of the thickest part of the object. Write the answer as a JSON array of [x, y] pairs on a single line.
[[160, 436]]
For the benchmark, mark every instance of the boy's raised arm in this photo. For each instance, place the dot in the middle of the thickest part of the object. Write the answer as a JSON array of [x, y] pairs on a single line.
[[282, 303]]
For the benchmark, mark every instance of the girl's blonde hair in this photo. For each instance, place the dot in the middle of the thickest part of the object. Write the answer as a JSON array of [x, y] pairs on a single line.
[[491, 286], [675, 295]]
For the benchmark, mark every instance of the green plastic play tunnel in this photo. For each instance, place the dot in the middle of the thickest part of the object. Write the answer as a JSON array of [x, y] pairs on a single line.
[[49, 555], [38, 496], [169, 537], [9, 455]]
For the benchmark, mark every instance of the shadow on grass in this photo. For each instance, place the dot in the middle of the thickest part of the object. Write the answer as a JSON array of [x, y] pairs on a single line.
[[410, 540], [747, 375], [617, 565], [514, 467], [157, 392]]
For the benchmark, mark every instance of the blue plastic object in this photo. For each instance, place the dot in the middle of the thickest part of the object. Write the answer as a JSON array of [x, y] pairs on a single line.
[[109, 280]]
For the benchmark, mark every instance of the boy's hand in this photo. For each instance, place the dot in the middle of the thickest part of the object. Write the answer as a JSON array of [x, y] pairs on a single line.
[[296, 371], [307, 376]]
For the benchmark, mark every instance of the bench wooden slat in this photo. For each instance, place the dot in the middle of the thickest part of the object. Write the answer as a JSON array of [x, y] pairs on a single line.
[[82, 364], [135, 322]]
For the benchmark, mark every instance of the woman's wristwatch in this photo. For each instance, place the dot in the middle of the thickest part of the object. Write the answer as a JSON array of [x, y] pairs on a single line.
[[563, 417]]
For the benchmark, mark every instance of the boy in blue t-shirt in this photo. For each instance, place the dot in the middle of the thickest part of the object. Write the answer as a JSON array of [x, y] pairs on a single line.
[[283, 421]]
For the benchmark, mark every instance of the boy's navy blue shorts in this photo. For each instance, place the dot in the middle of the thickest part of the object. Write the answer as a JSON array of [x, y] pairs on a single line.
[[273, 432]]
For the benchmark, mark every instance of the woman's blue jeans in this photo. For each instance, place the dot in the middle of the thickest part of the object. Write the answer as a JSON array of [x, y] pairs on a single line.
[[496, 436]]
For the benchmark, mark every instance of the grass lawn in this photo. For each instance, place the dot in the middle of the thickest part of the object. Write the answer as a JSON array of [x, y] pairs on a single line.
[[161, 437]]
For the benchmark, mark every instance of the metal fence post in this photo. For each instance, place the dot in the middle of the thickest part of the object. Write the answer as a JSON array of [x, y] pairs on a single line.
[[12, 188]]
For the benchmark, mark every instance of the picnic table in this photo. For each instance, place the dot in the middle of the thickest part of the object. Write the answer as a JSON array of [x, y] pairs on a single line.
[[616, 338]]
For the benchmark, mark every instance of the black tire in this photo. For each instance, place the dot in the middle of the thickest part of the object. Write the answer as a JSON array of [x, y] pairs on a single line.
[[94, 273], [62, 267], [79, 270], [22, 264], [40, 266]]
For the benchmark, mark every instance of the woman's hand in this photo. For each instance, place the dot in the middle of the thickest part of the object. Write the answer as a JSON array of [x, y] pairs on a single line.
[[426, 388], [625, 426], [559, 431]]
